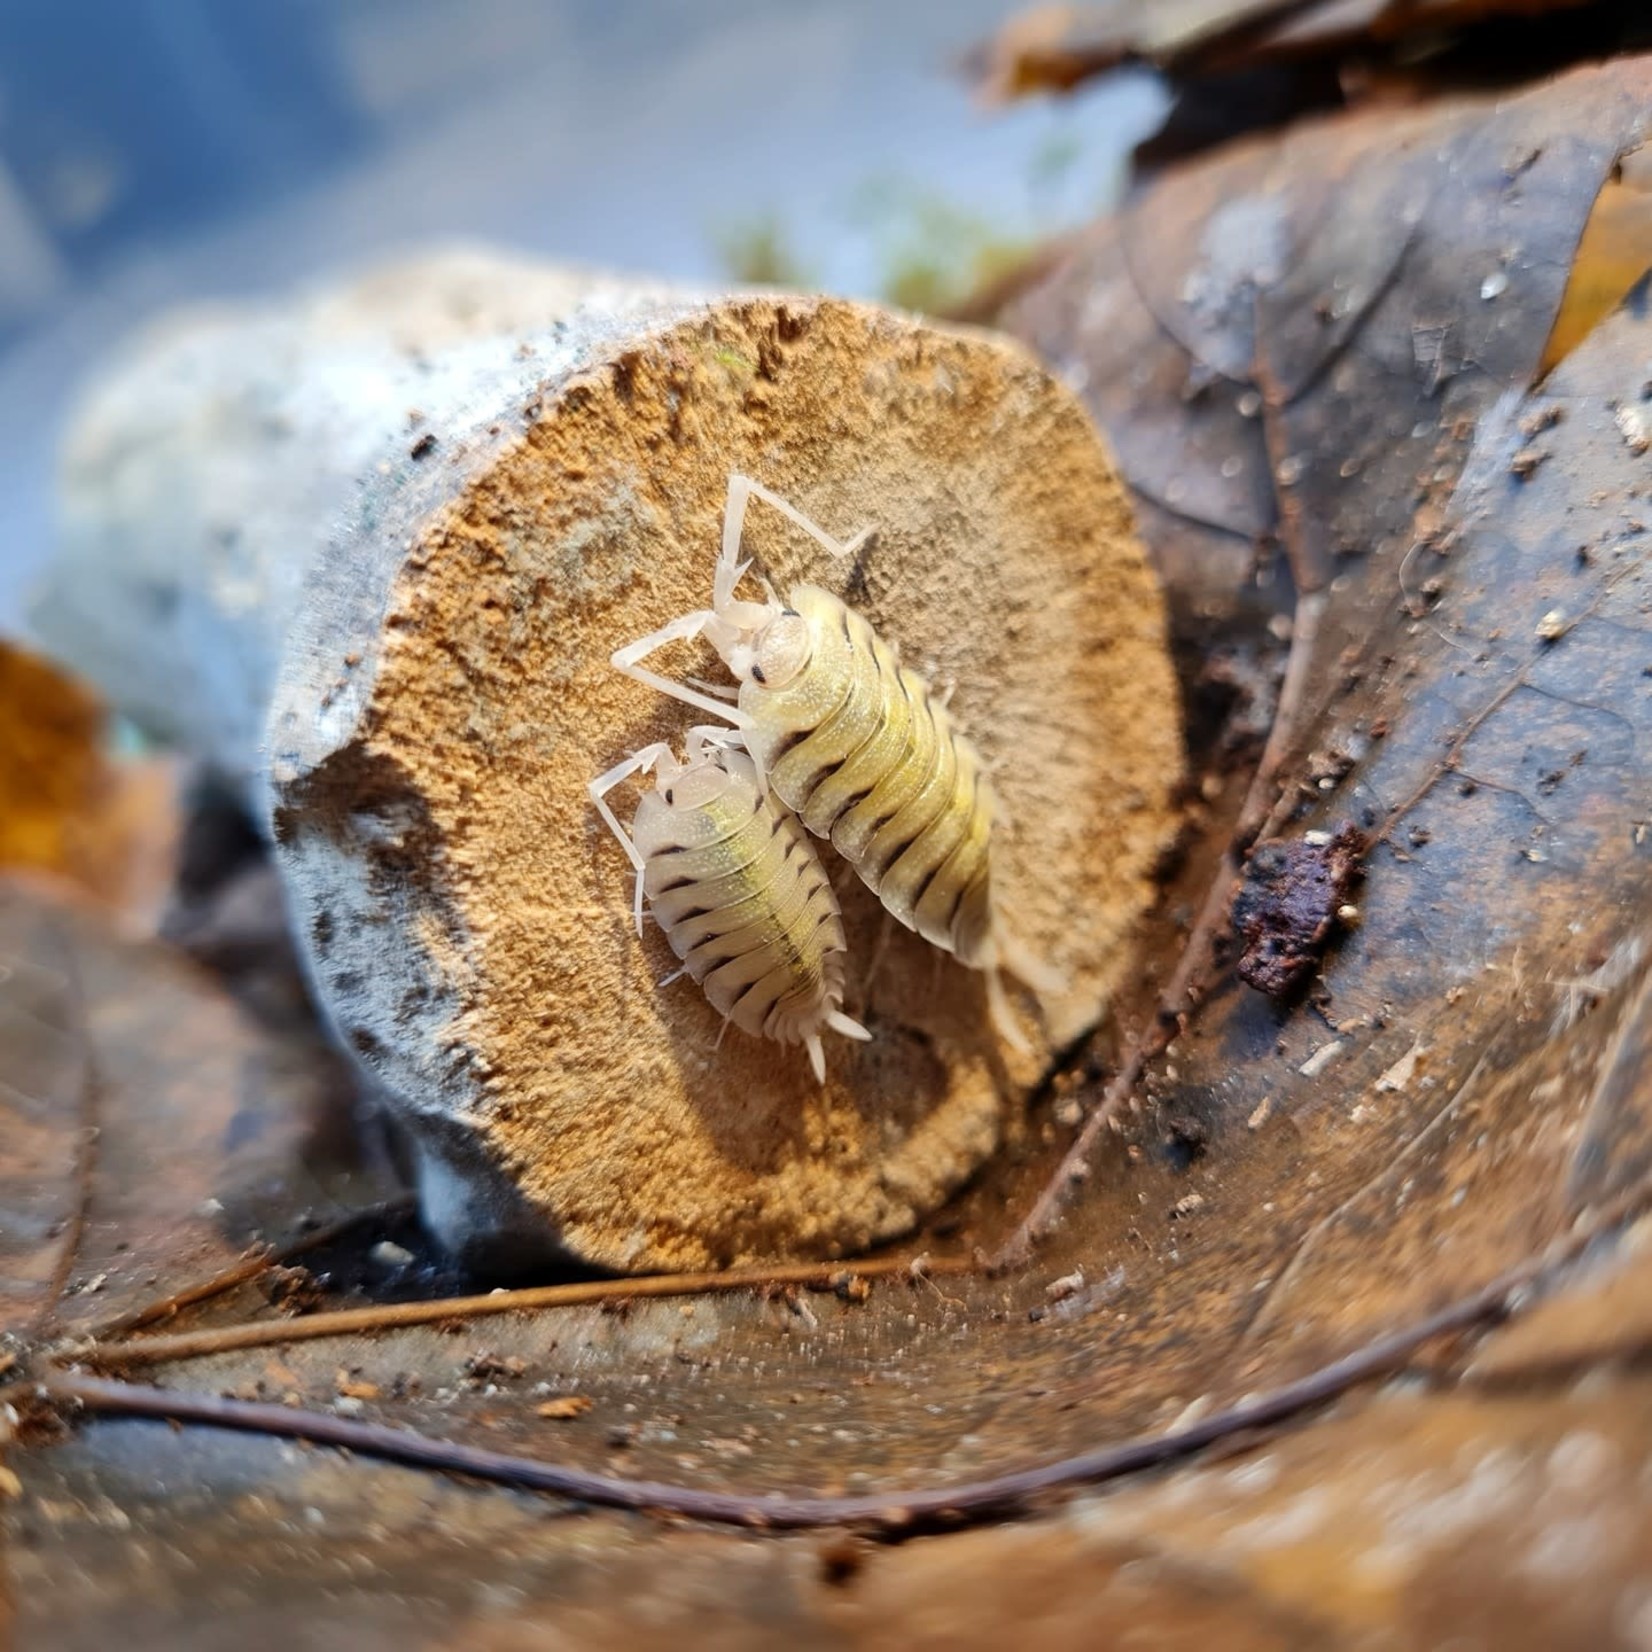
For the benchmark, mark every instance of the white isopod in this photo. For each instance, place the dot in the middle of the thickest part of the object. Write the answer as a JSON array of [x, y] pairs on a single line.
[[737, 888], [857, 746]]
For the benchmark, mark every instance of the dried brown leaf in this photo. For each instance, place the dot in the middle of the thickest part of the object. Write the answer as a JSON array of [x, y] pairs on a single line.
[[1056, 48], [150, 1135], [70, 811], [1614, 253]]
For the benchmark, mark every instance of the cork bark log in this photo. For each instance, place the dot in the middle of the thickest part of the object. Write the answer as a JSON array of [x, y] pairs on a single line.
[[444, 693]]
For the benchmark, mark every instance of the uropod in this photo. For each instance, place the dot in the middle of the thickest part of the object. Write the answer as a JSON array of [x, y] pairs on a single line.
[[737, 888], [855, 744]]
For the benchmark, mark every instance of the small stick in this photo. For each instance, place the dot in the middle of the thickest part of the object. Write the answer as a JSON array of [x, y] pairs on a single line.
[[1155, 1037], [391, 1315], [250, 1267]]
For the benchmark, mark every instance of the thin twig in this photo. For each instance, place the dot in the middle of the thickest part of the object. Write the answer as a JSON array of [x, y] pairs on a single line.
[[891, 1513], [1448, 763], [266, 1333], [1198, 951], [1518, 679], [249, 1267]]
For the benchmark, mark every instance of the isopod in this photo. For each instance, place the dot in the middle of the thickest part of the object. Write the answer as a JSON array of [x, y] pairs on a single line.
[[854, 743], [737, 888]]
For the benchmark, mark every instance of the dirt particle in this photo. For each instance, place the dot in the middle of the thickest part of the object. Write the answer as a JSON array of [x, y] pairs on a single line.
[[423, 448], [564, 1406], [1635, 429], [1326, 769], [1398, 1076], [292, 1290], [851, 1287], [842, 1559], [1288, 903], [1069, 1284], [486, 1366]]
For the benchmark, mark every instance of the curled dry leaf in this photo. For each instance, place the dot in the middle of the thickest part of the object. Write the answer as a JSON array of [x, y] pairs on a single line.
[[1055, 48]]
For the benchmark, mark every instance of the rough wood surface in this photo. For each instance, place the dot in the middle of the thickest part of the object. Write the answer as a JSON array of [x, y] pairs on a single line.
[[442, 542], [203, 467]]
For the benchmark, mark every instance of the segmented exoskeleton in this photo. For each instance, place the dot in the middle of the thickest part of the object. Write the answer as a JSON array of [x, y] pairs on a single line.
[[853, 742], [738, 890]]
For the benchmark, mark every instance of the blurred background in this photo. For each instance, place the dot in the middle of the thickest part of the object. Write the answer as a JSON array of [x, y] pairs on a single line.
[[153, 151]]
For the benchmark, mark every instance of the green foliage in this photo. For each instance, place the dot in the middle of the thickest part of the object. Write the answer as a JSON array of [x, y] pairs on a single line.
[[755, 253], [931, 251], [934, 251]]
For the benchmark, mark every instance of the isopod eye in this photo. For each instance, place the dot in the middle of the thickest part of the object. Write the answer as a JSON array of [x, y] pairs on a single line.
[[782, 651], [669, 795]]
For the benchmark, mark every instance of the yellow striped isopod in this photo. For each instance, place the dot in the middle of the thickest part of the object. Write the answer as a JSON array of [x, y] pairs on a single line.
[[854, 743], [738, 890]]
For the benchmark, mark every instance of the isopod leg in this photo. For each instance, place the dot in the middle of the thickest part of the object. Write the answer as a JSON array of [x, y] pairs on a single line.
[[742, 490], [723, 691], [880, 951], [1006, 955], [1045, 980], [726, 739], [1003, 1017], [638, 763], [704, 736], [628, 660], [730, 569]]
